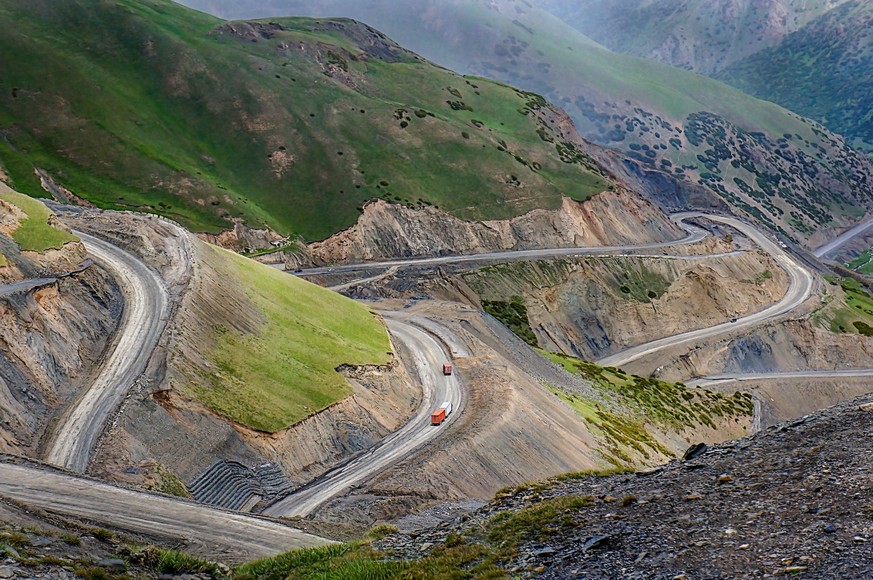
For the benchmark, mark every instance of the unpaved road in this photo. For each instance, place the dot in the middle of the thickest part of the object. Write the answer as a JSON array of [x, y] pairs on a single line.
[[208, 531], [146, 307], [811, 374], [429, 356], [695, 235], [843, 239], [800, 288]]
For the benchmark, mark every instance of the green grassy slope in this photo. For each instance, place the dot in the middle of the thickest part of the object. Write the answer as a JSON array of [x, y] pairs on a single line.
[[822, 71], [35, 233], [294, 123], [788, 172], [285, 370]]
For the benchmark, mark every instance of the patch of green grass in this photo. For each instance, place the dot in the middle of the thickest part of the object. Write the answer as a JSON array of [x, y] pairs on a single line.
[[646, 400], [642, 284], [93, 573], [173, 562], [456, 558], [536, 522], [14, 539], [102, 534], [852, 314], [513, 315], [71, 539], [170, 484], [34, 233], [535, 488], [286, 371], [863, 263]]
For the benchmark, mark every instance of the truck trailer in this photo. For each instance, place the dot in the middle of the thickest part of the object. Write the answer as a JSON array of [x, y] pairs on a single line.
[[441, 414], [447, 368]]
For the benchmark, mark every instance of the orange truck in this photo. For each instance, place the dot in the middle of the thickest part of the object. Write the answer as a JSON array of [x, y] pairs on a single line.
[[447, 368], [441, 414]]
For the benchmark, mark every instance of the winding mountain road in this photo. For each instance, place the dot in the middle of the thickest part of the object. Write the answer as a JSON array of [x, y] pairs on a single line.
[[146, 307], [800, 288], [428, 355], [694, 235]]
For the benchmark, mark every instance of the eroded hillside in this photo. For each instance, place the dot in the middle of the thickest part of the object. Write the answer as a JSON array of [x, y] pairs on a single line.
[[57, 314]]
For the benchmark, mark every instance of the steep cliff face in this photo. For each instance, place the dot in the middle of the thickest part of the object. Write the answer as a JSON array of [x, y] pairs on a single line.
[[390, 231], [51, 339]]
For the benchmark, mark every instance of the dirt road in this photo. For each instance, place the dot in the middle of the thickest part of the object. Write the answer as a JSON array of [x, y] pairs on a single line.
[[146, 307], [800, 288], [428, 356]]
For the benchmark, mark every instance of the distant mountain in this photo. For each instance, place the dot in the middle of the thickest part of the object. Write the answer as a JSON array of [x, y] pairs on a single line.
[[705, 36], [292, 123], [813, 57], [788, 172], [823, 71]]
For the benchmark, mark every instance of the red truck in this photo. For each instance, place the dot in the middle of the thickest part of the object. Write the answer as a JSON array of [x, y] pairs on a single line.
[[440, 414], [447, 368]]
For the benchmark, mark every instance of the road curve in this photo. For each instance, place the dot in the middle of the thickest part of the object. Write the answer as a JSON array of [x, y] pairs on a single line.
[[694, 235], [843, 239], [428, 357], [800, 288], [215, 532], [146, 308]]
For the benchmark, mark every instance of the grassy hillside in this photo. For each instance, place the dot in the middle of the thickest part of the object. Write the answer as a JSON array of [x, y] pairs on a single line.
[[790, 173], [821, 71], [283, 370], [290, 123], [700, 35], [34, 232]]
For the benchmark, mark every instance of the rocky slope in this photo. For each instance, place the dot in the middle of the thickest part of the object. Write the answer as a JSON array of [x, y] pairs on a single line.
[[389, 231], [795, 499], [592, 307], [514, 428], [52, 332], [163, 437]]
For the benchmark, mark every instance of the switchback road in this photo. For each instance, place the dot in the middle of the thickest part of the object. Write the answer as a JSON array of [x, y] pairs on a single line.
[[428, 355], [146, 307], [800, 288]]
